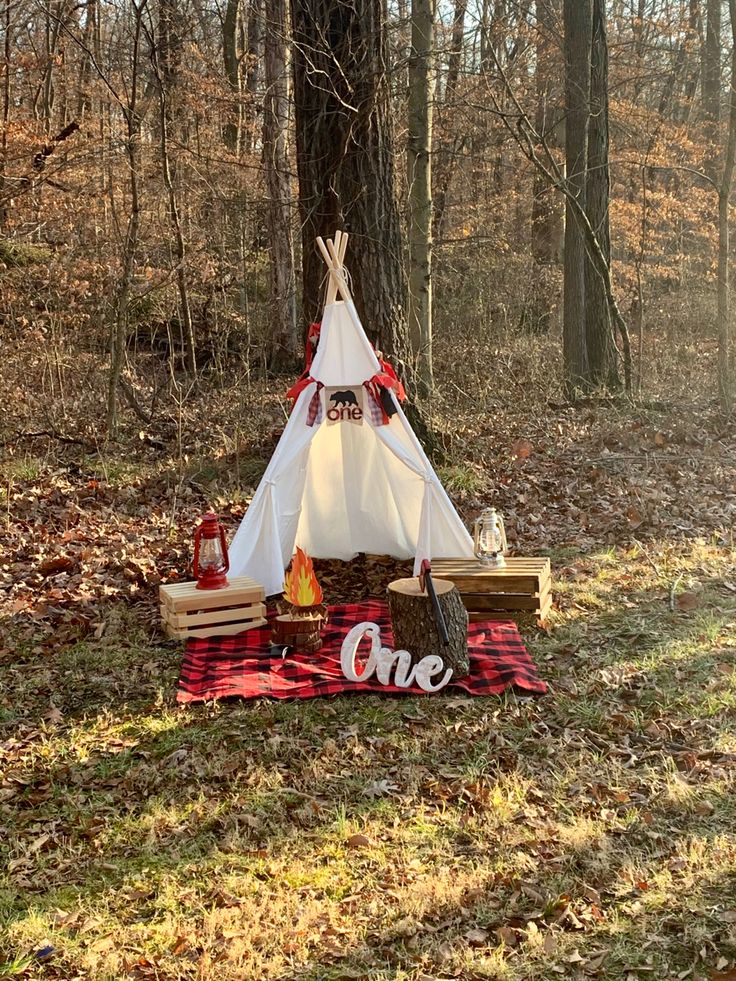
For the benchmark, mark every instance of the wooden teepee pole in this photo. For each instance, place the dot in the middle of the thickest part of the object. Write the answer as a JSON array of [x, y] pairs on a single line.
[[332, 285], [334, 264]]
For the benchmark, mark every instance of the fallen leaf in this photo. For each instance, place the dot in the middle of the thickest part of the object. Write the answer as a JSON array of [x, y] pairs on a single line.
[[51, 567], [595, 962], [380, 788], [507, 935], [478, 938], [688, 601], [522, 449]]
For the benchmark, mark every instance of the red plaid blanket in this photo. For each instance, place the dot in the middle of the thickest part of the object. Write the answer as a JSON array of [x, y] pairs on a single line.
[[219, 667]]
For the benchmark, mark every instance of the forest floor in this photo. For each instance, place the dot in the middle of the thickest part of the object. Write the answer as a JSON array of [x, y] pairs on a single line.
[[587, 833]]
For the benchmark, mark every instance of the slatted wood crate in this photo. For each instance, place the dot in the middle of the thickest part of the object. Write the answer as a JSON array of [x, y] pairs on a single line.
[[522, 589], [191, 612]]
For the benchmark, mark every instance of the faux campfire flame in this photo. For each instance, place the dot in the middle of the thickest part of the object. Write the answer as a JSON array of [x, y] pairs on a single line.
[[300, 585]]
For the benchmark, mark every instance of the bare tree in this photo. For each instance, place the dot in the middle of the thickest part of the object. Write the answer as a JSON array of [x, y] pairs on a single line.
[[254, 47], [578, 33], [600, 345], [725, 387], [167, 53], [547, 207], [283, 338], [419, 174], [121, 302], [232, 54], [453, 137], [7, 47], [712, 61]]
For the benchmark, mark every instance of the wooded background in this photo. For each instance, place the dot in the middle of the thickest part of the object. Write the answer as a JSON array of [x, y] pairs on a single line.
[[166, 165]]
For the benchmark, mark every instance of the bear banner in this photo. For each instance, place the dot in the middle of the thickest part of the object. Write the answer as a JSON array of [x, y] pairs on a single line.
[[344, 405]]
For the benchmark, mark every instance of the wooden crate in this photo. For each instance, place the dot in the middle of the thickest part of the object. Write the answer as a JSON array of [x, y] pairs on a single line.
[[522, 589], [191, 612]]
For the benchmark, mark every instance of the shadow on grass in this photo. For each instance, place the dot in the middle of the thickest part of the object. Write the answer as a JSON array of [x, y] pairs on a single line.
[[152, 792]]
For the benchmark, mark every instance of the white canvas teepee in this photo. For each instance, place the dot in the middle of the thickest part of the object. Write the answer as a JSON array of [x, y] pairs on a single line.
[[343, 479]]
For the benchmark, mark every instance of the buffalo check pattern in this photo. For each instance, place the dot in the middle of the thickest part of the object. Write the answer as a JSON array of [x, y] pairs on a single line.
[[242, 666]]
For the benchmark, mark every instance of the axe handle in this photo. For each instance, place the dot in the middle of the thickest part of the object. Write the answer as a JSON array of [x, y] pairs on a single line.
[[438, 614]]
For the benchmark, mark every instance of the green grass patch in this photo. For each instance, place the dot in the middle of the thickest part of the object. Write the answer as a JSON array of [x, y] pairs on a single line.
[[586, 833]]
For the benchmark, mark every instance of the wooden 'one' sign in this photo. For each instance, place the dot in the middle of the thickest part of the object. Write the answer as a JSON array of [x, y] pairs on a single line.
[[381, 661]]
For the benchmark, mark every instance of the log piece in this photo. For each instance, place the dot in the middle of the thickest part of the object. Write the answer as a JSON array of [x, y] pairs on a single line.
[[415, 629], [299, 627]]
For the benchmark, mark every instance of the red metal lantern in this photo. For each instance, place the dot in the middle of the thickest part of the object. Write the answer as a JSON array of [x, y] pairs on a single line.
[[211, 561]]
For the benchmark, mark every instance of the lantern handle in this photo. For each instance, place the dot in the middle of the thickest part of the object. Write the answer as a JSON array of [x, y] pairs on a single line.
[[195, 561], [223, 543]]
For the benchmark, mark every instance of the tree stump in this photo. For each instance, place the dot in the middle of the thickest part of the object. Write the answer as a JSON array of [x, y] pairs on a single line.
[[415, 629]]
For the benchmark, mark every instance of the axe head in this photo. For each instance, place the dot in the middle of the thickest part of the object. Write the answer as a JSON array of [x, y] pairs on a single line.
[[424, 570]]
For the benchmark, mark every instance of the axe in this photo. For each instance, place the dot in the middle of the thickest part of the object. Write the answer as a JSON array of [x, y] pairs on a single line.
[[427, 586]]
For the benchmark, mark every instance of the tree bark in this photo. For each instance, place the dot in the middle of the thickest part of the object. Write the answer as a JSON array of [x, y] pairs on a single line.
[[578, 29], [345, 161], [415, 629], [601, 347], [283, 341], [419, 173]]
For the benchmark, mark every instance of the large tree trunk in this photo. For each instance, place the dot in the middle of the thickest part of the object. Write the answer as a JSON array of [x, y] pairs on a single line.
[[283, 340], [578, 27], [419, 175], [345, 147], [601, 348], [547, 210]]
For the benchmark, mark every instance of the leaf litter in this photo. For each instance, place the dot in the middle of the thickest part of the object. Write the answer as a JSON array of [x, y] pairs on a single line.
[[588, 832]]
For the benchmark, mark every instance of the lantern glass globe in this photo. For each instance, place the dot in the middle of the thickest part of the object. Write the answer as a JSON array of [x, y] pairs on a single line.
[[489, 539]]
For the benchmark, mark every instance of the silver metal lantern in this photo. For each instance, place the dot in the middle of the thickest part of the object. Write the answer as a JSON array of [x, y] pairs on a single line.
[[489, 539]]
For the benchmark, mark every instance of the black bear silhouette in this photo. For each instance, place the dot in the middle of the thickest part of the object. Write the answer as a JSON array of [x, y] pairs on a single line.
[[343, 398]]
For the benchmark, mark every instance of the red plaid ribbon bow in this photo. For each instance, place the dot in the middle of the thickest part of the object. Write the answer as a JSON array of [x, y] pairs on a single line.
[[314, 412], [379, 385]]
